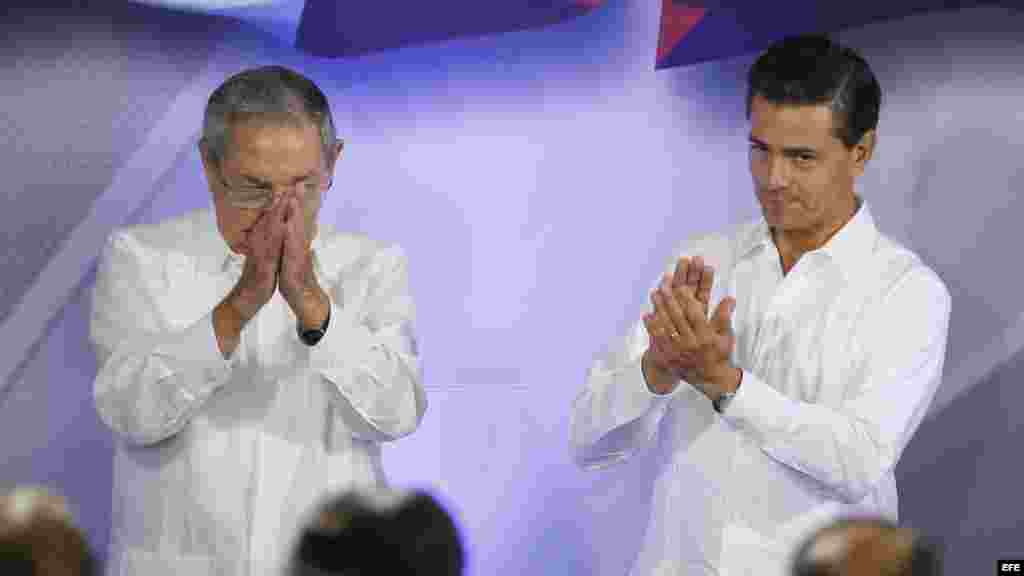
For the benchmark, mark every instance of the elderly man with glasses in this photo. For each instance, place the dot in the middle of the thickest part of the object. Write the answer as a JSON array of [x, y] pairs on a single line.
[[249, 360]]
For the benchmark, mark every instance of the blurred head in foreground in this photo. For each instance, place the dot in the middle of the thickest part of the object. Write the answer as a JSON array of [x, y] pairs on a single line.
[[39, 538], [382, 532], [867, 547]]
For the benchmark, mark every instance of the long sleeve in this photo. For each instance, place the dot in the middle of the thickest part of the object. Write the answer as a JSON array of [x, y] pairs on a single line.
[[151, 380], [850, 447], [369, 354], [616, 414]]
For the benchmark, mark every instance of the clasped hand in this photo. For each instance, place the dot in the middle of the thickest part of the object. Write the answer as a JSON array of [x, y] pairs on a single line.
[[684, 343], [278, 258]]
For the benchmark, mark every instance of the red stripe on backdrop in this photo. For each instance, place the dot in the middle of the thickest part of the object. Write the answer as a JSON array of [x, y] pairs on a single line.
[[676, 22]]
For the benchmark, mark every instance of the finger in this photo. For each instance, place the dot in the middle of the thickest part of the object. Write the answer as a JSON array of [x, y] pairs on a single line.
[[295, 235], [659, 340], [707, 280], [260, 223], [726, 343], [284, 208], [674, 359], [655, 331], [721, 321], [297, 207], [663, 354], [682, 269], [651, 325], [694, 272], [673, 315], [658, 313], [279, 221], [657, 328], [298, 215], [696, 316], [257, 235]]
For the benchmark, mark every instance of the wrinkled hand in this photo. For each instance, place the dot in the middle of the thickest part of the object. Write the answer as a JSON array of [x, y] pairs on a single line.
[[298, 284], [262, 260]]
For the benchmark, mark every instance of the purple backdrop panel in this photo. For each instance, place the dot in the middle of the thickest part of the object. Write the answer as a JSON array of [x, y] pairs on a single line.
[[338, 29], [698, 31]]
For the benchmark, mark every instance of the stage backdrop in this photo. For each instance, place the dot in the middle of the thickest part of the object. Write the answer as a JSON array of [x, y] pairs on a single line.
[[538, 181]]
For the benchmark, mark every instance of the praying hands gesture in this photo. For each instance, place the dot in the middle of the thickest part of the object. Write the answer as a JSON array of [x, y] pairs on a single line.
[[296, 280], [684, 343], [278, 258]]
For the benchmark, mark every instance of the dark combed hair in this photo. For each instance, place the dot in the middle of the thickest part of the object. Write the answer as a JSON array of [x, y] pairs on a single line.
[[416, 537], [814, 70]]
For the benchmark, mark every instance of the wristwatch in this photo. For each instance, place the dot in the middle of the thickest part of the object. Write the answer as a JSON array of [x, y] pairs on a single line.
[[313, 335], [723, 400]]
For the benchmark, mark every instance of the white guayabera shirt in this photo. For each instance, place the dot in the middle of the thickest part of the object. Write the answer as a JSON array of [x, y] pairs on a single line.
[[219, 460], [841, 358]]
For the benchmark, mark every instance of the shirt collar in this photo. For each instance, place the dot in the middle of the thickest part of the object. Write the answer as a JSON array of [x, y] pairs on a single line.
[[848, 248], [853, 244]]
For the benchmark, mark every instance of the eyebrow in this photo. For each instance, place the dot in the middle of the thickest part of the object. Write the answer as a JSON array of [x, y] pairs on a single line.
[[791, 151], [259, 182]]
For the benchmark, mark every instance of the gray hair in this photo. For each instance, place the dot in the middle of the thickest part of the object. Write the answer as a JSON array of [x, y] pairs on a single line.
[[273, 90]]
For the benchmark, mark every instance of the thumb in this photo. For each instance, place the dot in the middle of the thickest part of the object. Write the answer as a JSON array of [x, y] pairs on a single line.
[[287, 209], [722, 319]]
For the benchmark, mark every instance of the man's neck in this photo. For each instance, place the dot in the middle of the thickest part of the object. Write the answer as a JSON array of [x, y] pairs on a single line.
[[793, 244]]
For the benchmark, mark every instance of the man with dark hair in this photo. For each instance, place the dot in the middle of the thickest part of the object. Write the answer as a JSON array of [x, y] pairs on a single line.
[[792, 401], [867, 546], [249, 359], [379, 533]]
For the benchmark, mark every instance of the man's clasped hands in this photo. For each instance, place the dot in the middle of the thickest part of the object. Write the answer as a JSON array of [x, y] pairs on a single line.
[[684, 343]]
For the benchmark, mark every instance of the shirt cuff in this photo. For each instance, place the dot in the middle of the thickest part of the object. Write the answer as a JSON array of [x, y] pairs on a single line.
[[196, 350], [342, 347], [757, 409]]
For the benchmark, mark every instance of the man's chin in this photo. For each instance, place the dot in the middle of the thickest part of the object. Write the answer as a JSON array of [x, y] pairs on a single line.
[[772, 217]]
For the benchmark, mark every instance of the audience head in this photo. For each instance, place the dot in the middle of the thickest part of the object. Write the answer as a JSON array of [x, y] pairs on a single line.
[[379, 533], [866, 547], [39, 538]]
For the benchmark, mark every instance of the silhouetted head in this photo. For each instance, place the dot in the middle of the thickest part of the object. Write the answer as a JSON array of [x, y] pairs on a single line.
[[379, 533], [866, 547]]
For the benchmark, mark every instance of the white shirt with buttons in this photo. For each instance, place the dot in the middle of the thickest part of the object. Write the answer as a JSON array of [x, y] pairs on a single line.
[[841, 358], [218, 461]]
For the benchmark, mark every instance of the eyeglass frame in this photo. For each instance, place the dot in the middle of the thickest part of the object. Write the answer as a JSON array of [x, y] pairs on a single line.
[[269, 198]]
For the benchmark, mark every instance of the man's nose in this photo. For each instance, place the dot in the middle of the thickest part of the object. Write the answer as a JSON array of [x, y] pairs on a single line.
[[778, 173]]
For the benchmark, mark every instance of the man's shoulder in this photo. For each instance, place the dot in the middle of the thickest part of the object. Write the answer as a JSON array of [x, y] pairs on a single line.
[[897, 264], [181, 234], [342, 250]]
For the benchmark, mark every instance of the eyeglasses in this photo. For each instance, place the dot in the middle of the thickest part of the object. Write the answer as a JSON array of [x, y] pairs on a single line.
[[254, 197]]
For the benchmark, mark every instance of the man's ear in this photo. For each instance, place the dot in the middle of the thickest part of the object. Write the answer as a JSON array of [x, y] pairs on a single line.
[[866, 147], [204, 154], [338, 147], [863, 150]]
